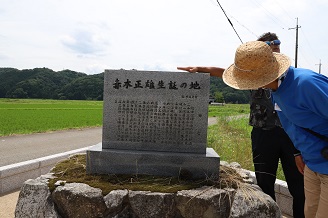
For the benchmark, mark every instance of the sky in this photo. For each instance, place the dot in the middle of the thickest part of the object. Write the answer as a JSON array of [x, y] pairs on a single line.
[[158, 35]]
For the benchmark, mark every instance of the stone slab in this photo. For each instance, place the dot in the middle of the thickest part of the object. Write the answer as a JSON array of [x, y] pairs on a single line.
[[113, 161], [155, 111], [285, 203]]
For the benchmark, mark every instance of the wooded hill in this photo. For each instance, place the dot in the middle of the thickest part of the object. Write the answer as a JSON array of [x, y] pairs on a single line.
[[44, 83]]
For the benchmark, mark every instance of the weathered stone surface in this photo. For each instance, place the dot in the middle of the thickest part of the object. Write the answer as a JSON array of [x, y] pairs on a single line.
[[35, 200], [117, 202], [155, 99], [206, 202], [251, 202], [79, 200], [152, 204], [111, 161]]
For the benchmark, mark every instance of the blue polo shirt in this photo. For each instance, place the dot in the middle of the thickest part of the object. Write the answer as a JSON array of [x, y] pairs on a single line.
[[302, 101]]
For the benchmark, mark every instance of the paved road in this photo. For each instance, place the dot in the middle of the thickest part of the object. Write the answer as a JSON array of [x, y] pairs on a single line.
[[15, 149]]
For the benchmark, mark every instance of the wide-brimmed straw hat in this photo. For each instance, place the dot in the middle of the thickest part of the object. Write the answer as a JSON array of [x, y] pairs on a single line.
[[255, 66]]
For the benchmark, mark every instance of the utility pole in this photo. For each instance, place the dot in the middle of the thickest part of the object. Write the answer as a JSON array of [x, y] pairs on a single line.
[[296, 46], [319, 66]]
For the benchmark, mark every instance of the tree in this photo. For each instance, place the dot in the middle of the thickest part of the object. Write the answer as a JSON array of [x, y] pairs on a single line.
[[219, 97], [85, 88], [19, 93]]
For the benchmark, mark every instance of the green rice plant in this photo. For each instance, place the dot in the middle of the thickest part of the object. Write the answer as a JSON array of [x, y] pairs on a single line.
[[227, 110], [25, 116]]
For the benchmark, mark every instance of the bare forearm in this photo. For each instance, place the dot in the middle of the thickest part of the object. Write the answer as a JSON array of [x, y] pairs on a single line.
[[213, 71]]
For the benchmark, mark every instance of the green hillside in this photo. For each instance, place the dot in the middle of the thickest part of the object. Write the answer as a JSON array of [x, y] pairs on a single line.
[[44, 83]]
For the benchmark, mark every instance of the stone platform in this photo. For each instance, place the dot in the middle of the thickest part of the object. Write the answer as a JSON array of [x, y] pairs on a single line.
[[191, 165]]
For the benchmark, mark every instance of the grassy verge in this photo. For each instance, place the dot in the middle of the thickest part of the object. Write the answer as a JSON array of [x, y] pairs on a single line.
[[231, 139]]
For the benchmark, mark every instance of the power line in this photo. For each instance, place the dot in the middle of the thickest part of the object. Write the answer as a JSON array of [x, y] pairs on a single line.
[[307, 41], [244, 26], [274, 18], [283, 10], [229, 21], [283, 24]]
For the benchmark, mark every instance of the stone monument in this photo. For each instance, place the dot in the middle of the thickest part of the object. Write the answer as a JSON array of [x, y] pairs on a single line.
[[155, 123]]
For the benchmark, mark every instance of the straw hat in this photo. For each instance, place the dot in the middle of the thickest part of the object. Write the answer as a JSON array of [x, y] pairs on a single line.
[[255, 66]]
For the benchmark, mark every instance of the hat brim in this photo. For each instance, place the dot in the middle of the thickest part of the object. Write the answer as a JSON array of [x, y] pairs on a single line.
[[234, 78]]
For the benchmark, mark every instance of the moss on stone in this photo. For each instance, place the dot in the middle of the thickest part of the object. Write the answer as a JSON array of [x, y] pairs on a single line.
[[73, 169]]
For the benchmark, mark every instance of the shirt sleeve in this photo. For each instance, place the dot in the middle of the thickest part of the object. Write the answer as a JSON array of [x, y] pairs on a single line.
[[315, 95]]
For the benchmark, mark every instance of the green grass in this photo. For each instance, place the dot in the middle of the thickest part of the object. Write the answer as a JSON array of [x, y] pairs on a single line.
[[231, 139], [26, 116], [228, 110]]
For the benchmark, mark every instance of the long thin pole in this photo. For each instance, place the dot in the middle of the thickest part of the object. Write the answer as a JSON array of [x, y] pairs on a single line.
[[319, 66], [296, 45]]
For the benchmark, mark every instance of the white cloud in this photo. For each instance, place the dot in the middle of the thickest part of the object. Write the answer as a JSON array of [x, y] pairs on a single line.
[[86, 36], [85, 42]]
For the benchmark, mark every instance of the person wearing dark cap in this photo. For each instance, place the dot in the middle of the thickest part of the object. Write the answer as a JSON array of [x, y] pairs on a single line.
[[300, 97], [270, 143]]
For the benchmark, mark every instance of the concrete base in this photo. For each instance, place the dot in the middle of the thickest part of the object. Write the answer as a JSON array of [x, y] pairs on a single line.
[[190, 165], [13, 176]]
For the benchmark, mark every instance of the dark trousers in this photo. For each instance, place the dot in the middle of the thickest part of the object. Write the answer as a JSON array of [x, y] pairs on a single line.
[[268, 147]]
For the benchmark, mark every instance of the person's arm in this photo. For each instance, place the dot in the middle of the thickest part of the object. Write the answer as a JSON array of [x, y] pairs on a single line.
[[300, 163], [213, 71]]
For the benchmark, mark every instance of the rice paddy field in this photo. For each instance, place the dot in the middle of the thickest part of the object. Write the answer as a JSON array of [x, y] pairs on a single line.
[[25, 116]]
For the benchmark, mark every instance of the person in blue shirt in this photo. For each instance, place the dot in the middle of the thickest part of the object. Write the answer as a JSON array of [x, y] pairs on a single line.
[[270, 143], [300, 97]]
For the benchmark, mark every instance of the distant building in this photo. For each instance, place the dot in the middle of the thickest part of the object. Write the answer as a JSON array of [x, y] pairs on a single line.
[[211, 99]]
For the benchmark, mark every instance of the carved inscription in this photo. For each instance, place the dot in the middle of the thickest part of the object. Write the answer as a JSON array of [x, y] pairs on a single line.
[[155, 111], [154, 121]]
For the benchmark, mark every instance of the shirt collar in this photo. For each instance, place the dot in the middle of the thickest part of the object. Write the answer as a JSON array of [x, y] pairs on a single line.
[[281, 78]]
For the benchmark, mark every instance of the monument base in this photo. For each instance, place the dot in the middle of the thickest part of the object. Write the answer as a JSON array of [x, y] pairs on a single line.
[[187, 165]]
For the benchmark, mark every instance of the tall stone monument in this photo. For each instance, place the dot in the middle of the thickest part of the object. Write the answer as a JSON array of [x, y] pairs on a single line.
[[154, 123]]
